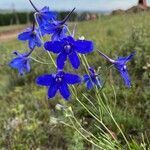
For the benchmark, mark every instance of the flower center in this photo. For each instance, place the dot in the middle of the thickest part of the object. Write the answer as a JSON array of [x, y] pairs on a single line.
[[67, 48], [59, 77], [124, 67]]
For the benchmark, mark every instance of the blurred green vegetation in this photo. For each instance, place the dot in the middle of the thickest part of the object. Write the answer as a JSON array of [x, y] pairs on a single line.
[[25, 112], [26, 17]]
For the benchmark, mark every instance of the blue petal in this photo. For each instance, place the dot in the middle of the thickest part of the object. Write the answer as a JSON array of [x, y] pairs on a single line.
[[97, 81], [64, 91], [55, 36], [130, 56], [86, 78], [52, 90], [70, 39], [48, 14], [40, 20], [31, 44], [123, 60], [89, 85], [61, 59], [45, 80], [59, 33], [72, 78], [20, 70], [92, 71], [49, 28], [27, 66], [83, 46], [16, 62], [75, 62], [44, 9], [24, 36], [38, 42], [125, 76], [54, 46]]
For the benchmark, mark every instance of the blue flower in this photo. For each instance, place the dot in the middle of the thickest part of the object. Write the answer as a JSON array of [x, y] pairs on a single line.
[[92, 79], [45, 19], [58, 81], [31, 35], [21, 62], [120, 65], [68, 47], [45, 15], [58, 29]]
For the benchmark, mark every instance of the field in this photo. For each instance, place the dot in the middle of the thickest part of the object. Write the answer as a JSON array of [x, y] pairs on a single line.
[[29, 121]]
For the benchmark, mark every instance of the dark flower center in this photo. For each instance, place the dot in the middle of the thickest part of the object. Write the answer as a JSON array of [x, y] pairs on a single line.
[[67, 48], [59, 77]]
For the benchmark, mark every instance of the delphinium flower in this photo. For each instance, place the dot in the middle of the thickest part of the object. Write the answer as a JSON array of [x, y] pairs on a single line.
[[31, 35], [21, 62], [120, 65], [58, 29], [48, 23], [92, 79], [58, 81], [44, 17], [70, 48]]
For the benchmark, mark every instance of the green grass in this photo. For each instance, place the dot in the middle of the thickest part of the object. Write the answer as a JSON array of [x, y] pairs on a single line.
[[22, 99]]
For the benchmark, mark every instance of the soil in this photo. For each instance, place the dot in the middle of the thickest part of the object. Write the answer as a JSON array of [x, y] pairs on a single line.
[[10, 34]]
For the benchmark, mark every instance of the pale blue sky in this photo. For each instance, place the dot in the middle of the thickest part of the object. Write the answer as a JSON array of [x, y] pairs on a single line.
[[91, 5]]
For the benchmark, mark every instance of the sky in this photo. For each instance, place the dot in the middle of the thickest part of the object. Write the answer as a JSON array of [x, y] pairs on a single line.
[[81, 5]]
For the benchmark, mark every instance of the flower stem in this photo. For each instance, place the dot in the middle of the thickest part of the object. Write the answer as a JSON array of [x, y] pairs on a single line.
[[29, 53], [40, 61]]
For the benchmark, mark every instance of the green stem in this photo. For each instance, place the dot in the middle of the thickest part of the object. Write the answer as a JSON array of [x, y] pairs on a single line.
[[90, 141], [39, 61]]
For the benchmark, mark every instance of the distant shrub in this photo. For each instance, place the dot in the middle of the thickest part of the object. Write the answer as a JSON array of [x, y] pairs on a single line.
[[15, 18]]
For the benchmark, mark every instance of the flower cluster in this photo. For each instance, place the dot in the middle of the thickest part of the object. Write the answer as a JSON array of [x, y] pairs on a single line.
[[66, 47]]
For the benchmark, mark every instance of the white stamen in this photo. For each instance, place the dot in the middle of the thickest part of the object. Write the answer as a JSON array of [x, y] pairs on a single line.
[[82, 38]]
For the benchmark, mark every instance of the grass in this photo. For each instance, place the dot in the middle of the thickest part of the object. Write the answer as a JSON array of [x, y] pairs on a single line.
[[22, 101]]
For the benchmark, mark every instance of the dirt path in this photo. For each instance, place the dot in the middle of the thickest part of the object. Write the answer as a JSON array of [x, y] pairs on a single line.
[[8, 37], [10, 34]]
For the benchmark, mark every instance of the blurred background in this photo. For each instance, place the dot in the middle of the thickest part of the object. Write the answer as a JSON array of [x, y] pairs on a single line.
[[117, 27], [20, 11]]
